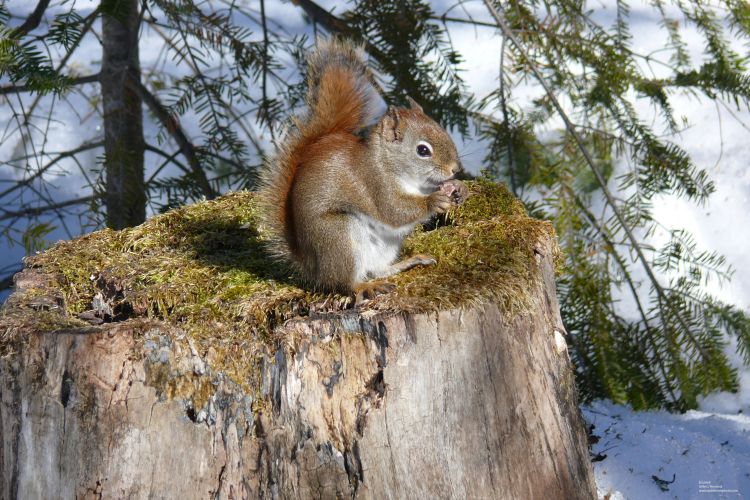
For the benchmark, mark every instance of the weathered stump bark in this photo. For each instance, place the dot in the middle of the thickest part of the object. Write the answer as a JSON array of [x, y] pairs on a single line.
[[463, 403]]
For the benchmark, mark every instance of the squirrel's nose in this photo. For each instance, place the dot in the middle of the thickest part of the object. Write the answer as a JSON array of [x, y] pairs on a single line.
[[456, 167]]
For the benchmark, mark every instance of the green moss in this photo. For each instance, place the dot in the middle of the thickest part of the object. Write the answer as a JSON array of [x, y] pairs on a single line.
[[23, 313], [488, 200], [204, 268]]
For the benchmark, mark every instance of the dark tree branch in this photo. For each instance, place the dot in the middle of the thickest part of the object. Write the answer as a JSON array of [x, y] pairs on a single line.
[[172, 126], [335, 24], [323, 17], [263, 109], [31, 22]]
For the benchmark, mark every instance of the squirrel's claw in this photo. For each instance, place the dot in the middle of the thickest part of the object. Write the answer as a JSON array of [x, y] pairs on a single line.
[[371, 289], [422, 259]]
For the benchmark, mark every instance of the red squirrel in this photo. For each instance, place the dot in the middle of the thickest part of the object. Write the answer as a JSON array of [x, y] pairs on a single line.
[[342, 193]]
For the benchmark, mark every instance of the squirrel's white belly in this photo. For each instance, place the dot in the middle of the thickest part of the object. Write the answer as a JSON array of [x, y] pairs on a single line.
[[375, 246]]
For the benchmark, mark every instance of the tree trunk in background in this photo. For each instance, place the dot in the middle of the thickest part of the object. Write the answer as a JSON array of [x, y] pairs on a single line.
[[464, 403], [123, 117]]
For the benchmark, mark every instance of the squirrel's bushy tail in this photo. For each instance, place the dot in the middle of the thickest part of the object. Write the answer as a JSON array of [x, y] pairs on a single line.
[[339, 101], [339, 89]]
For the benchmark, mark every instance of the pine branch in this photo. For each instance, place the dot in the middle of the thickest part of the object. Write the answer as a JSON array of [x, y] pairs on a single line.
[[12, 89], [605, 234], [88, 23], [503, 25], [504, 108], [237, 118]]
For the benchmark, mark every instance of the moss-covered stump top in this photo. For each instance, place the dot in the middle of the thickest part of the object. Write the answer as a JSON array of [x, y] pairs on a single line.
[[204, 268]]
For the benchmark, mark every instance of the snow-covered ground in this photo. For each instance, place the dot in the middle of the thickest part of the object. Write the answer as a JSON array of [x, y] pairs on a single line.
[[644, 455]]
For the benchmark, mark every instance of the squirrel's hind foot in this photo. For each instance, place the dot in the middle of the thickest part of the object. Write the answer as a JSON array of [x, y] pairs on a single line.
[[371, 289]]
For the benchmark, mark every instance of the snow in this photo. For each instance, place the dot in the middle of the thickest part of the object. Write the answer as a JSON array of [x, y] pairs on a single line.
[[655, 454]]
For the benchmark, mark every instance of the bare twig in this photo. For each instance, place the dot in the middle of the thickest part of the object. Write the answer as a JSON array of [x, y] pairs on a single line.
[[55, 160], [172, 126], [34, 211], [167, 159]]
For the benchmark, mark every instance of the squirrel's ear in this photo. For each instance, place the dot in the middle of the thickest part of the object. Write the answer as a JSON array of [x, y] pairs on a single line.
[[391, 125], [413, 104]]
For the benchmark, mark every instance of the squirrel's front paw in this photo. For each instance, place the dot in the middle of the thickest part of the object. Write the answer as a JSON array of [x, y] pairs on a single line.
[[456, 189], [439, 202]]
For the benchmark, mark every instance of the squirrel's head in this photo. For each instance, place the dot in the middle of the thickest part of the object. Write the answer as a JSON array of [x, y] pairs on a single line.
[[420, 150]]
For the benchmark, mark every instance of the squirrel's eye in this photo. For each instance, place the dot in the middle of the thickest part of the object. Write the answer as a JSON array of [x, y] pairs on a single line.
[[424, 150]]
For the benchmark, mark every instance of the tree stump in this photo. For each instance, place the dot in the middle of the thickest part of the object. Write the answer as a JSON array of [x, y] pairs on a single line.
[[111, 390]]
